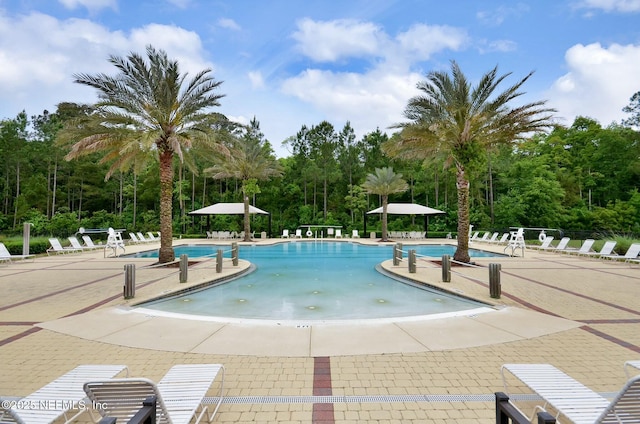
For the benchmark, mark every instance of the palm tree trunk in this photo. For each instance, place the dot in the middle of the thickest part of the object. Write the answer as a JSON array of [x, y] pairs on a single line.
[[384, 218], [166, 253], [247, 223], [462, 184]]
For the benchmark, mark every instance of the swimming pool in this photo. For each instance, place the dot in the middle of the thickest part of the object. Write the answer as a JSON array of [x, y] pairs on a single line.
[[314, 281]]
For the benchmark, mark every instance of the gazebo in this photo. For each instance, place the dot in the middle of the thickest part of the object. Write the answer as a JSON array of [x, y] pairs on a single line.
[[229, 209], [406, 209]]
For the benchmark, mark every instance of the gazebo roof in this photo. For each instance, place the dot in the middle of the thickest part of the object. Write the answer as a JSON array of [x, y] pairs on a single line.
[[227, 209], [408, 209]]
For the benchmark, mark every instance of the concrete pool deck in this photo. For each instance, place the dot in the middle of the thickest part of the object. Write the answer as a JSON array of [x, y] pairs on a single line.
[[580, 314]]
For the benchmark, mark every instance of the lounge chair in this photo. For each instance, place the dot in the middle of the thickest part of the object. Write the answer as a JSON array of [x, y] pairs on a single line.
[[63, 396], [630, 256], [575, 401], [546, 244], [88, 242], [56, 247], [5, 255], [151, 236], [493, 239], [76, 244], [502, 239], [298, 233], [606, 250], [474, 237], [584, 249], [285, 233], [338, 233], [631, 364], [562, 245], [180, 394], [485, 237], [354, 234], [142, 238]]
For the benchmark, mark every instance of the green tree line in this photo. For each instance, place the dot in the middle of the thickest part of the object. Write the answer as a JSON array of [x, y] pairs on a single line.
[[581, 177]]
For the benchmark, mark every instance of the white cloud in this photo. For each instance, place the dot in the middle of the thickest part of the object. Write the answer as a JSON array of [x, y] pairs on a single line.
[[257, 81], [91, 5], [332, 40], [599, 83], [228, 24], [502, 13], [624, 6], [40, 55], [421, 41]]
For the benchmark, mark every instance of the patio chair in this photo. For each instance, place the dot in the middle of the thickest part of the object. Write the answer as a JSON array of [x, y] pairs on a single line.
[[62, 397], [338, 233], [606, 250], [546, 244], [151, 236], [298, 233], [142, 238], [285, 234], [575, 401], [474, 237], [502, 239], [56, 247], [494, 238], [584, 249], [631, 364], [562, 245], [354, 234], [76, 244], [5, 255], [630, 256], [180, 394], [88, 242]]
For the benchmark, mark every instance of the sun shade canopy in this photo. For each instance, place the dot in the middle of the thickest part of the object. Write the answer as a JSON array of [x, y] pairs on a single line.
[[227, 209], [407, 209]]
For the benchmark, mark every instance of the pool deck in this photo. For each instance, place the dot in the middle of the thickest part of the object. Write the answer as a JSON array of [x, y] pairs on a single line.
[[580, 314]]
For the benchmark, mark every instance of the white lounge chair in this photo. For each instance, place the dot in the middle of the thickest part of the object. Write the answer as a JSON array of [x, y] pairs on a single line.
[[5, 255], [56, 247], [502, 239], [606, 250], [575, 401], [630, 256], [62, 397], [151, 236], [88, 242], [474, 237], [179, 394], [562, 245], [285, 234], [142, 238], [354, 234], [546, 244], [298, 233], [631, 364], [584, 249], [76, 244], [338, 233]]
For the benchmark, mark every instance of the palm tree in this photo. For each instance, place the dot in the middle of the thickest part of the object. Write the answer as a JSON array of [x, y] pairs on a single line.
[[383, 183], [148, 110], [462, 122], [249, 159]]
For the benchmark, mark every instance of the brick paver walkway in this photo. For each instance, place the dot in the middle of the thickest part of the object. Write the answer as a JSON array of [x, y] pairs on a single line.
[[602, 296]]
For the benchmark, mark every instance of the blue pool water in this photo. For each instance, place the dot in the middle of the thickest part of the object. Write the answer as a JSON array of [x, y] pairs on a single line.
[[314, 281]]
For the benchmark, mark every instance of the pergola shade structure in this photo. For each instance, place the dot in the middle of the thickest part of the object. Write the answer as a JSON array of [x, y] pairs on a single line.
[[406, 209], [229, 209]]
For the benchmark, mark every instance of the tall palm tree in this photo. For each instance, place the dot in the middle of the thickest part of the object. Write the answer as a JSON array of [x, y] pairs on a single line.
[[249, 159], [453, 118], [148, 110], [384, 182]]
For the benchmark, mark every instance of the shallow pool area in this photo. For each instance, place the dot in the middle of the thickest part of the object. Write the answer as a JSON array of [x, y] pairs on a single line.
[[314, 281]]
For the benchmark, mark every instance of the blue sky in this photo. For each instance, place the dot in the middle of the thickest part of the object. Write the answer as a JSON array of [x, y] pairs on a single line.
[[292, 62]]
